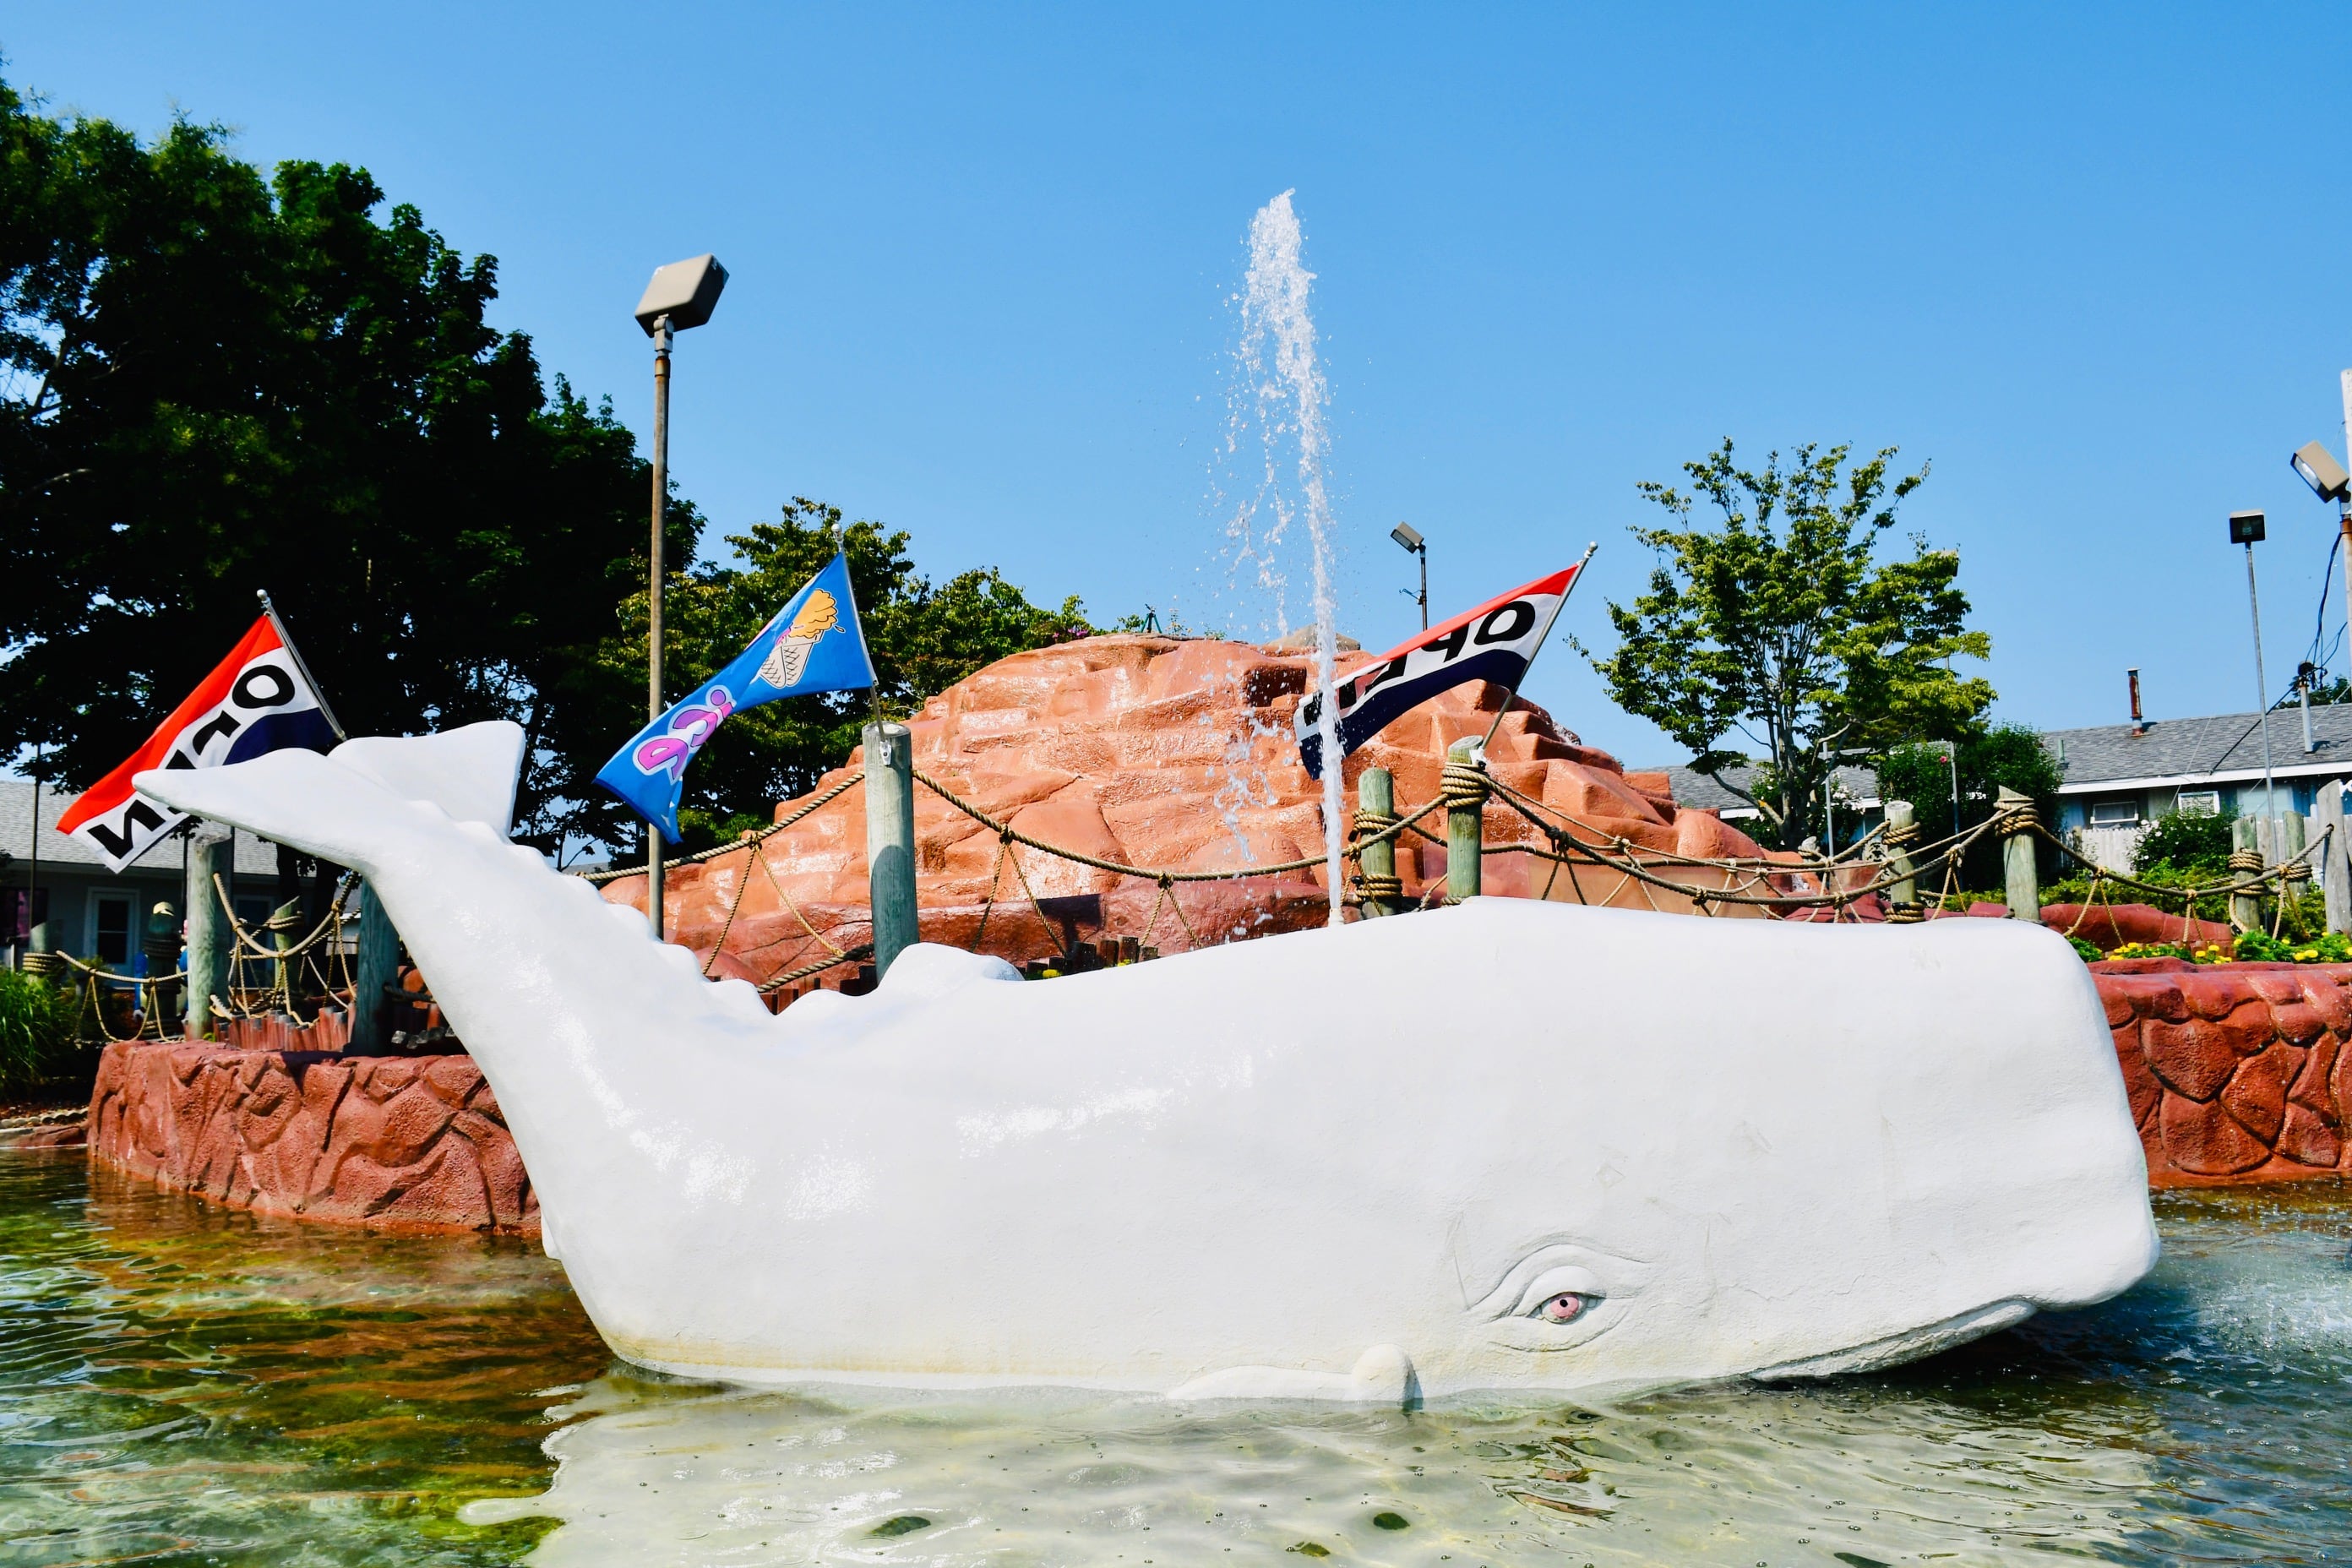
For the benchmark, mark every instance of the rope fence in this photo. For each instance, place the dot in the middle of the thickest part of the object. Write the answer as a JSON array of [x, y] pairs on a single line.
[[1886, 861]]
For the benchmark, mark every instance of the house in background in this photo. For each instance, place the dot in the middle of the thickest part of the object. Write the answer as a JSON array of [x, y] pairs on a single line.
[[94, 914], [1858, 807], [2121, 777]]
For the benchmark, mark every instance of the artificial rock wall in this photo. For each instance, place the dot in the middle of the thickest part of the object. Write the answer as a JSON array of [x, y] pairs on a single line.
[[1156, 751], [394, 1143], [2236, 1072]]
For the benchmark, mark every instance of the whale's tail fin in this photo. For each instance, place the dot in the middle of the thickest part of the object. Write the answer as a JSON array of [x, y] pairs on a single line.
[[469, 773], [330, 806]]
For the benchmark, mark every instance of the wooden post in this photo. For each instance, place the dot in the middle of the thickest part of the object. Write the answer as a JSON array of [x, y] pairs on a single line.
[[210, 943], [1466, 820], [2245, 860], [1376, 863], [283, 922], [375, 962], [2024, 887], [2335, 860], [2296, 873], [890, 840], [1903, 892], [163, 949]]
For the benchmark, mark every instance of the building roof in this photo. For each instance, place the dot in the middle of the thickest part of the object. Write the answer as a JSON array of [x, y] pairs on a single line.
[[2222, 748], [1857, 786], [2225, 748], [255, 855]]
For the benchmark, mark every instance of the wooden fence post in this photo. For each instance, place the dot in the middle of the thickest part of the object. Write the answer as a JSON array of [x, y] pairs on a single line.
[[1466, 820], [1376, 863], [2336, 861], [890, 840], [211, 944], [1903, 892], [2024, 887], [375, 963], [2295, 873], [2245, 860]]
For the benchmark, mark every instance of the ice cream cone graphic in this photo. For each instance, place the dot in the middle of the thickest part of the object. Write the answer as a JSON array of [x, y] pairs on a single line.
[[788, 660]]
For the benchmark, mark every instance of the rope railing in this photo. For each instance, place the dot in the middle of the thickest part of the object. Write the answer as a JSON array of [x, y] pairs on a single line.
[[1879, 861], [618, 872]]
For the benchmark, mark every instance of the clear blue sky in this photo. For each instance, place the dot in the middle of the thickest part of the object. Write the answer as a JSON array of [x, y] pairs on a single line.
[[2091, 262]]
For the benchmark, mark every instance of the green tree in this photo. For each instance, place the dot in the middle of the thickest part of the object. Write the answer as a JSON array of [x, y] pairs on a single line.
[[1779, 622], [218, 382], [1990, 758], [923, 637]]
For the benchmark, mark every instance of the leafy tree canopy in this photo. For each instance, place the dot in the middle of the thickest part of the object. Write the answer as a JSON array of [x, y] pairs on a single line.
[[923, 637], [1777, 621], [213, 382], [1990, 758]]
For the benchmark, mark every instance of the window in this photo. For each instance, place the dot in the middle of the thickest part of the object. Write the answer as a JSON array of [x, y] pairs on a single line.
[[2201, 802], [253, 912], [2115, 814], [111, 931]]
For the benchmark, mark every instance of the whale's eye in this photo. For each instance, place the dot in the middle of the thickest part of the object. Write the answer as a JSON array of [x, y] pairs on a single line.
[[1563, 1308]]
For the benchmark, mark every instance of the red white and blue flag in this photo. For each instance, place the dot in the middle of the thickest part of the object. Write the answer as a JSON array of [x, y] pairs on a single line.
[[259, 699], [1494, 642]]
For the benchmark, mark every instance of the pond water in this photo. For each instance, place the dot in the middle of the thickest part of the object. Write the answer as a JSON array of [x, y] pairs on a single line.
[[180, 1385]]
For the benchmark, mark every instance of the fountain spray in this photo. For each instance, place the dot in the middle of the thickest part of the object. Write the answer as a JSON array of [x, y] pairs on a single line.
[[1290, 396]]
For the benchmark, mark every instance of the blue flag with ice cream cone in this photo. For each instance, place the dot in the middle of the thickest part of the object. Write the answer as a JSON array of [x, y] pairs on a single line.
[[813, 644]]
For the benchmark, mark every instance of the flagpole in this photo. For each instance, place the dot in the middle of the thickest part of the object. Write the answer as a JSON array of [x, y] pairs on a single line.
[[287, 638], [1578, 576]]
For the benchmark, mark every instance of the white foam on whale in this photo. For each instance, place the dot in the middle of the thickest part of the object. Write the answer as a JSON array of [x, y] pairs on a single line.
[[1335, 1163]]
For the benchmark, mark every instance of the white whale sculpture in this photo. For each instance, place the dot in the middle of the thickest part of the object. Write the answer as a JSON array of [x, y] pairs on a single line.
[[1510, 1144]]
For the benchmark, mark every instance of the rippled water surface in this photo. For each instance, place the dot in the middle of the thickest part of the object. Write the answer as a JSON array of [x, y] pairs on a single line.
[[180, 1384]]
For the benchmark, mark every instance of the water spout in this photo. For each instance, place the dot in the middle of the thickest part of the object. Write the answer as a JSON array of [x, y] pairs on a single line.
[[1284, 382]]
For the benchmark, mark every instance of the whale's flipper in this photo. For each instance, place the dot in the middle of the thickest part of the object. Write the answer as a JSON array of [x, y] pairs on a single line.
[[347, 807], [469, 773]]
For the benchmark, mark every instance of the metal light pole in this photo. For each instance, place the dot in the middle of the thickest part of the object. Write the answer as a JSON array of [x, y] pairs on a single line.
[[2246, 527], [1405, 534], [681, 295]]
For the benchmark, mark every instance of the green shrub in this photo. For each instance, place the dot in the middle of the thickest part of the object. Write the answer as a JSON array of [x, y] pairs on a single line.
[[36, 1033], [2195, 842]]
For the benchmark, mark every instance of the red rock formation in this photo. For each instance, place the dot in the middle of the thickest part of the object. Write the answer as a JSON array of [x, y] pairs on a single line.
[[407, 1143], [1148, 751], [2236, 1072], [2109, 926]]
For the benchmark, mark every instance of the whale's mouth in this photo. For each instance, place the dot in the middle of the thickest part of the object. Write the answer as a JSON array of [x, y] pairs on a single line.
[[1908, 1345]]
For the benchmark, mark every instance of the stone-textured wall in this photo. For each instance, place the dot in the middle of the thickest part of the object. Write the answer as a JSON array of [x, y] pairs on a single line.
[[413, 1143], [2237, 1072]]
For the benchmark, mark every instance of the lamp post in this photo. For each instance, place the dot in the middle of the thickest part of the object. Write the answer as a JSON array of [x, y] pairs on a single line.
[[2246, 527], [681, 295], [1404, 534]]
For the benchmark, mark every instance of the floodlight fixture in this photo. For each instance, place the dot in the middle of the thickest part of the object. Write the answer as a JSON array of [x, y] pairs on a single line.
[[686, 292], [1404, 534], [2246, 527], [2322, 472]]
